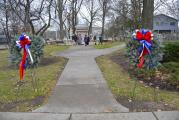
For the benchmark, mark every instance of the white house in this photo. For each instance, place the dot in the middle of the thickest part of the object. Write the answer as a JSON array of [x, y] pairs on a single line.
[[163, 23], [83, 29]]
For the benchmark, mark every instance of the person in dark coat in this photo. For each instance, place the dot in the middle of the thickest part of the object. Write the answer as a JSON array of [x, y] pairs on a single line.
[[75, 38], [86, 40], [101, 40], [94, 38]]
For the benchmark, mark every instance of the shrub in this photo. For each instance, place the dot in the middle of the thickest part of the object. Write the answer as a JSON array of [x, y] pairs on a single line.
[[36, 48], [171, 52], [173, 69]]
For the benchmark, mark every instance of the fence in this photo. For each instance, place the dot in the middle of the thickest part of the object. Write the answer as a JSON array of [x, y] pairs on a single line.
[[3, 39], [162, 37], [168, 36]]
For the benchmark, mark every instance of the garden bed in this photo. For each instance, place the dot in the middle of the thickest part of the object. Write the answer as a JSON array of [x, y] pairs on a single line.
[[158, 80]]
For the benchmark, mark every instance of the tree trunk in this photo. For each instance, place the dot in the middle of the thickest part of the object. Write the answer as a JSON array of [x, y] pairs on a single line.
[[68, 25], [147, 14], [42, 30], [103, 22], [76, 5], [61, 30], [91, 23], [90, 28], [30, 23], [73, 23], [60, 17], [6, 30], [92, 15], [103, 17], [73, 16], [49, 19]]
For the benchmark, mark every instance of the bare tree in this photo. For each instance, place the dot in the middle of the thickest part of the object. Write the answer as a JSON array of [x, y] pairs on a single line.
[[5, 12], [105, 7], [121, 23], [136, 12], [172, 7], [42, 30], [29, 17], [158, 4], [92, 16], [75, 8], [60, 8]]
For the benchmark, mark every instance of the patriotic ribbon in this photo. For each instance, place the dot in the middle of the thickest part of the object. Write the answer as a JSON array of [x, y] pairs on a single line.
[[144, 37], [24, 43]]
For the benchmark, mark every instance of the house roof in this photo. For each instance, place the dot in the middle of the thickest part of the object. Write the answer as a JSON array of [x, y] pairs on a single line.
[[166, 16], [84, 26]]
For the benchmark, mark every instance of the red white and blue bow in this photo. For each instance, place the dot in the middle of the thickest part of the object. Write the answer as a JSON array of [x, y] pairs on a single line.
[[144, 37], [24, 43]]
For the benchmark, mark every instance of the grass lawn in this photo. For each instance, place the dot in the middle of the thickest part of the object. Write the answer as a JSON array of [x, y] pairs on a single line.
[[121, 84], [107, 44], [29, 97]]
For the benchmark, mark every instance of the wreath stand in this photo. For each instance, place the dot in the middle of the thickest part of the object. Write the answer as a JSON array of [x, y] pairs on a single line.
[[34, 82], [132, 53], [155, 93]]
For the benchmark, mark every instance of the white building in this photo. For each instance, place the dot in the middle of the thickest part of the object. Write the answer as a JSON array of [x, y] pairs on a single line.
[[83, 29]]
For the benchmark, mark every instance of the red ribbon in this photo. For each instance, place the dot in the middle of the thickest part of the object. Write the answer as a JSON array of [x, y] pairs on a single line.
[[23, 44], [140, 37], [146, 36]]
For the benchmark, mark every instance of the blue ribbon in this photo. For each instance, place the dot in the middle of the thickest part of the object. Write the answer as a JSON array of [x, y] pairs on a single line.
[[147, 45]]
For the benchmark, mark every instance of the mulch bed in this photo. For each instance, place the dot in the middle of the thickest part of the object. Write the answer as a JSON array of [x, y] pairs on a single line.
[[144, 106], [158, 81], [135, 105], [6, 107], [48, 61]]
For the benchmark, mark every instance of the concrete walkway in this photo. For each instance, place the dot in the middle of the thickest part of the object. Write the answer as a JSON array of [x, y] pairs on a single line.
[[81, 93], [81, 87], [166, 115]]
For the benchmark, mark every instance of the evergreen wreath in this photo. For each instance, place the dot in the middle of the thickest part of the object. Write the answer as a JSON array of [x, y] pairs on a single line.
[[134, 49], [36, 47]]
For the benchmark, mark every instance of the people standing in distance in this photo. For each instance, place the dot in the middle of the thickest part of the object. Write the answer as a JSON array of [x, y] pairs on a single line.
[[95, 41], [75, 38], [86, 40], [79, 39], [101, 39]]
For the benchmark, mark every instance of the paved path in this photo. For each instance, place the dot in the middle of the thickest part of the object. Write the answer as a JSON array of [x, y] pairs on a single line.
[[81, 87], [165, 115], [82, 94]]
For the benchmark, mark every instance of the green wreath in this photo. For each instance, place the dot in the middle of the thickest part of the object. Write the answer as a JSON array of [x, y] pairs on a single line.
[[36, 47], [151, 60]]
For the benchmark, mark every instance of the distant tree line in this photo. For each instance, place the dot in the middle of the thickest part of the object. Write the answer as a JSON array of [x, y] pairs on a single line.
[[118, 16]]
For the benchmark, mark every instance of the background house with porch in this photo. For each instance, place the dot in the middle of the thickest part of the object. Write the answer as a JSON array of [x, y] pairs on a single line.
[[165, 24]]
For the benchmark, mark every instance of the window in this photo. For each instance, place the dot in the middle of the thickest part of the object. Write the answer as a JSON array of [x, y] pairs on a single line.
[[162, 23], [157, 23], [172, 23]]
